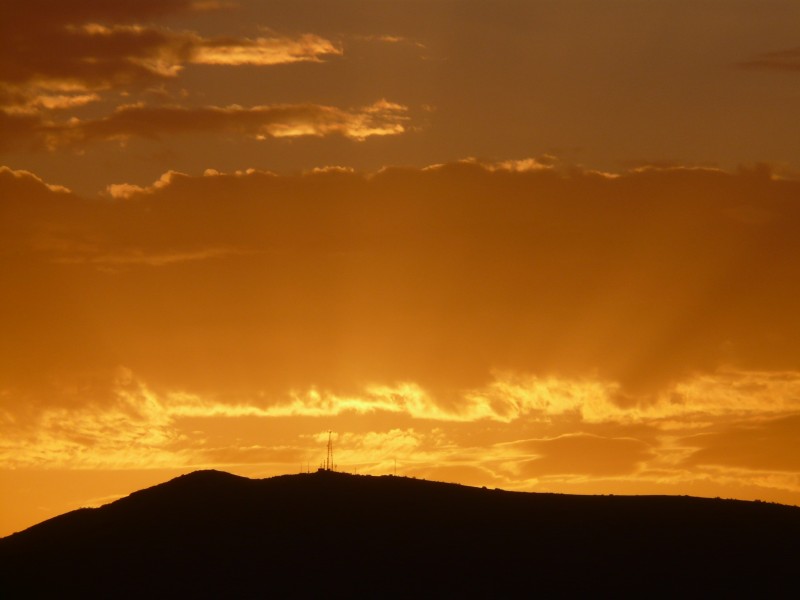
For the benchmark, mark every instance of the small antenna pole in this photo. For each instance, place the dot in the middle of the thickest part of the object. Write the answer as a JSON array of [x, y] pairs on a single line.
[[329, 458]]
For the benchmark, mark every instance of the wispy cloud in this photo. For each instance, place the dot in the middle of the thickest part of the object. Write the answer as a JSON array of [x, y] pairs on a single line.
[[390, 39], [263, 51], [94, 58], [781, 60], [135, 258], [381, 118], [58, 59]]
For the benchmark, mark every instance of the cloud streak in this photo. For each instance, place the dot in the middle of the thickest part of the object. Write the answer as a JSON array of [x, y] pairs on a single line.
[[95, 57], [263, 51], [781, 60], [381, 118]]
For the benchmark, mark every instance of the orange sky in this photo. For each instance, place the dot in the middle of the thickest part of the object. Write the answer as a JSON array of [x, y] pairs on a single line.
[[549, 246]]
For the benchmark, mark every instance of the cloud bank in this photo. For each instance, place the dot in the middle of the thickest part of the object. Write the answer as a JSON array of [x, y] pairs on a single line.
[[437, 276], [100, 53]]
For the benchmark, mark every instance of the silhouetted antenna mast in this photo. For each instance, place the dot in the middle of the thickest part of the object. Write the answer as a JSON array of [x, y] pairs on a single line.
[[329, 458]]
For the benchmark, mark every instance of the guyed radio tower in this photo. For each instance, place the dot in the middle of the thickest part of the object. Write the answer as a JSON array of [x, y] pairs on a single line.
[[329, 466]]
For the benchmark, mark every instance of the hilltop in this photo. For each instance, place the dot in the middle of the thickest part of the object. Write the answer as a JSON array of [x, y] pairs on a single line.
[[213, 534]]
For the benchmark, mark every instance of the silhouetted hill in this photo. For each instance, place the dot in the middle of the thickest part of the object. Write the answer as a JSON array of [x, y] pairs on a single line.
[[213, 534]]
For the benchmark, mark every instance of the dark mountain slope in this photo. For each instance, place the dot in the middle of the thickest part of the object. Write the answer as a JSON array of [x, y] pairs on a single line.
[[212, 534]]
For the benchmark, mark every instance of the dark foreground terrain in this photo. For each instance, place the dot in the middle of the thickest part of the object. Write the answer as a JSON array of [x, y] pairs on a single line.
[[212, 534]]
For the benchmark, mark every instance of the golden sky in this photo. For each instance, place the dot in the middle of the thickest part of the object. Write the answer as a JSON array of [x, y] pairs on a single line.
[[538, 245]]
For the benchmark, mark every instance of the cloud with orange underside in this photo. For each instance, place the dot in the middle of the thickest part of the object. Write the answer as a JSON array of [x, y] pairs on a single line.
[[95, 58], [38, 85], [103, 44], [88, 56], [381, 118], [263, 51]]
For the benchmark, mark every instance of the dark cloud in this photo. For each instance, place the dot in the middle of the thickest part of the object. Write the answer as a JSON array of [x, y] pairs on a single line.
[[72, 58], [100, 46], [95, 57], [381, 118], [51, 46], [99, 57]]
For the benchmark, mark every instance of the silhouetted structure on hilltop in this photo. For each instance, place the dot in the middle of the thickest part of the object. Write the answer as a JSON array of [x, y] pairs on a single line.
[[328, 465]]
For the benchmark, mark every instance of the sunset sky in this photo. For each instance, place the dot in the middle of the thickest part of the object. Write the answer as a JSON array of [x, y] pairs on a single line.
[[545, 245]]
